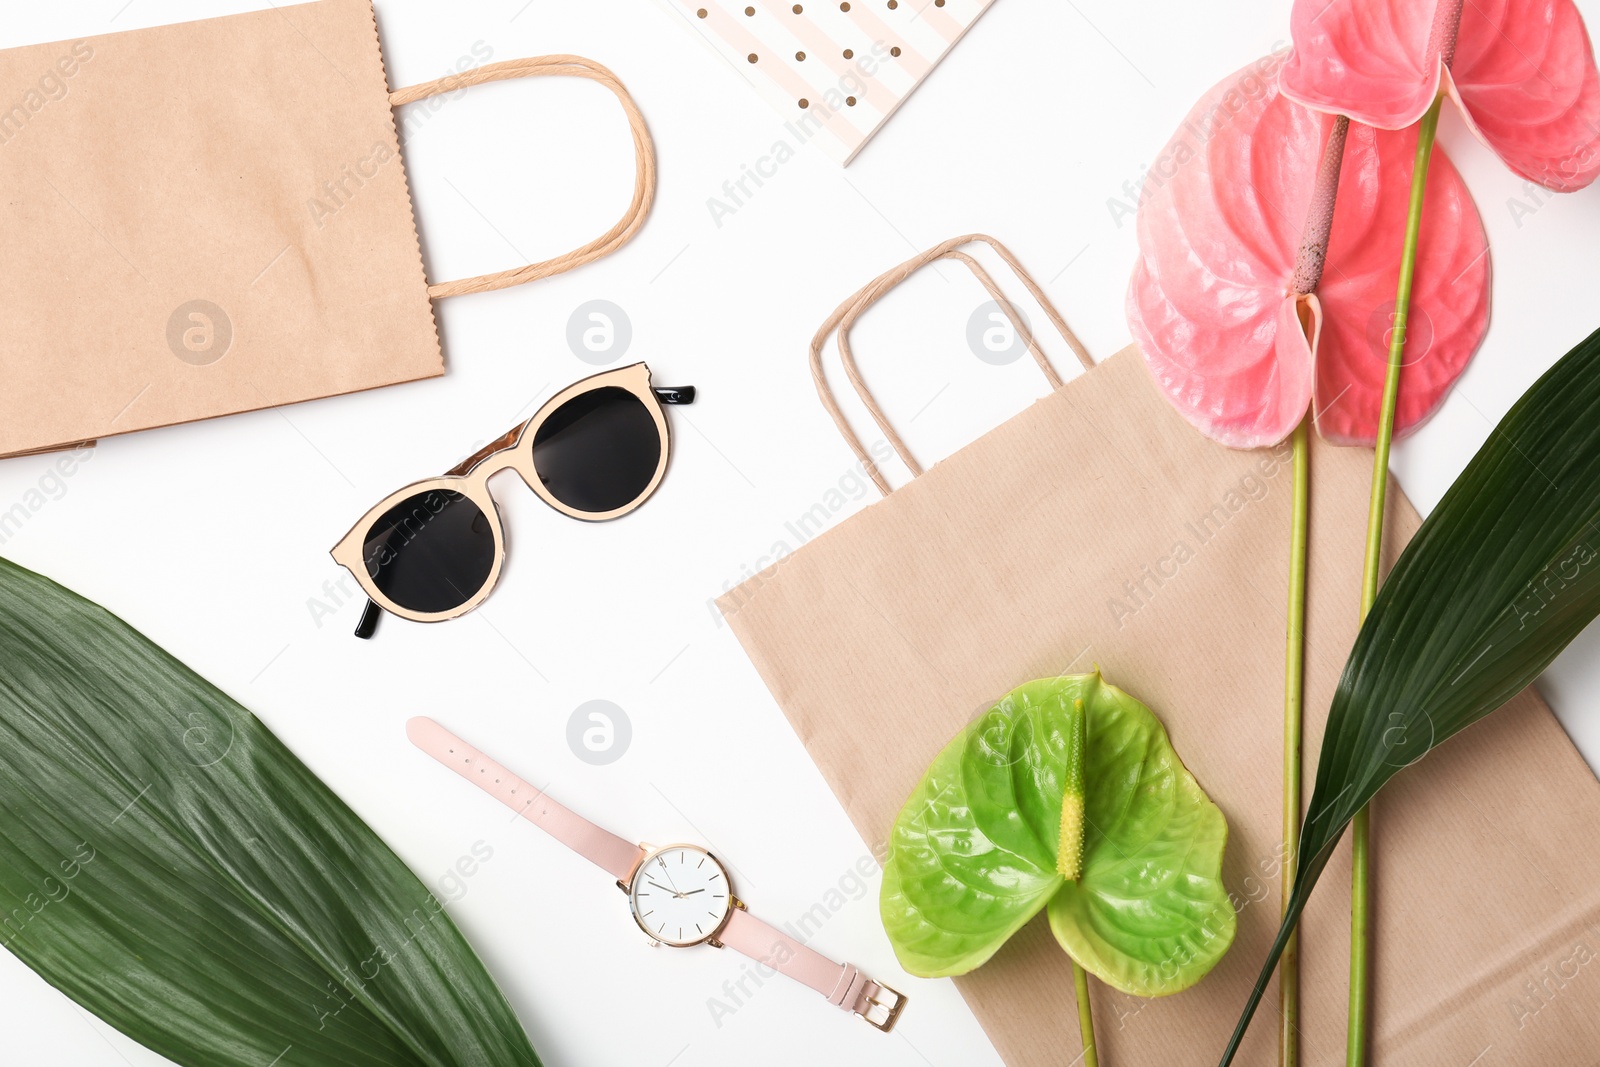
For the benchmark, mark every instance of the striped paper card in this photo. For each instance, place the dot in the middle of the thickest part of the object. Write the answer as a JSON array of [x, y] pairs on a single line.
[[835, 69]]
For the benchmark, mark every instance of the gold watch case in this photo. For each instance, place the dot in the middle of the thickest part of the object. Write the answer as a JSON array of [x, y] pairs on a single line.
[[654, 855]]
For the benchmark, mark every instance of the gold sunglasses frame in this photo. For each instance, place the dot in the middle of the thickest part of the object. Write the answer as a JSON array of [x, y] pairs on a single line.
[[470, 478]]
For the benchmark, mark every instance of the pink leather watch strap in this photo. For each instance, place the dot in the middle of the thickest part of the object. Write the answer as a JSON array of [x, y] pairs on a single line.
[[606, 850], [843, 985]]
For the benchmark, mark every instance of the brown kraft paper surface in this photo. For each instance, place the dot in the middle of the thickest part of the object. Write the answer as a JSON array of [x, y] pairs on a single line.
[[203, 219], [1098, 528]]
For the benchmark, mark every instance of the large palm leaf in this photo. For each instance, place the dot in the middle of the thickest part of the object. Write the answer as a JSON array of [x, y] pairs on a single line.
[[1499, 579], [167, 863]]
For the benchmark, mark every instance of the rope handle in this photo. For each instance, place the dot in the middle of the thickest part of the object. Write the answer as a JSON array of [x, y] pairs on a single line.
[[845, 315], [644, 186]]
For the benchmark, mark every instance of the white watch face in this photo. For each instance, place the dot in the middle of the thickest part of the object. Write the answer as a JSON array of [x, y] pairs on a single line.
[[680, 895]]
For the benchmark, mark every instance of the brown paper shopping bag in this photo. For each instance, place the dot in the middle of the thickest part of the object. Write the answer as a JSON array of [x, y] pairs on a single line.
[[213, 217], [1096, 527]]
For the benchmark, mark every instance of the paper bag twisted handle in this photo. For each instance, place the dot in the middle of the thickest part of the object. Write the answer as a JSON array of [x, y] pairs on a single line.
[[644, 185], [845, 315]]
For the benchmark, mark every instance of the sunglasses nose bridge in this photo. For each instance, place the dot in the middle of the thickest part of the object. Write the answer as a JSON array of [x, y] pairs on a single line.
[[495, 462], [521, 461]]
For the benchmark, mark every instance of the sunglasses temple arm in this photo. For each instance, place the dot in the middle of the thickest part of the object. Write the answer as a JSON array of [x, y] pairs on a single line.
[[369, 621], [681, 395]]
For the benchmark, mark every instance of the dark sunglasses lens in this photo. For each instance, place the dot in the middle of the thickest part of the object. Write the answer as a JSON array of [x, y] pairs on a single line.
[[598, 451], [430, 552]]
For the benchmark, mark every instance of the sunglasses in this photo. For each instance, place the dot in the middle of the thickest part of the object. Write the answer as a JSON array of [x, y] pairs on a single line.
[[433, 550]]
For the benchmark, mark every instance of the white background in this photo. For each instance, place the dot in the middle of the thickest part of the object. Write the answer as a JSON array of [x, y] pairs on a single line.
[[213, 538]]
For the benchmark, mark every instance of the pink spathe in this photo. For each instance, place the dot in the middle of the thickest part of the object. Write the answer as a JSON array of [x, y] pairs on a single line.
[[1523, 74], [1220, 228]]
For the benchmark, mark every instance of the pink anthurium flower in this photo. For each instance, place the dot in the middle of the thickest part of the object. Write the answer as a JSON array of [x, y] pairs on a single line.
[[1522, 72], [1238, 351]]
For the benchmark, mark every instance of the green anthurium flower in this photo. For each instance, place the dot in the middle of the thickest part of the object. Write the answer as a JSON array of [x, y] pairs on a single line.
[[1066, 795]]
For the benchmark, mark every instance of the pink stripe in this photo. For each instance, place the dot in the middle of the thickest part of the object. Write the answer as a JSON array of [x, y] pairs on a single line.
[[915, 65], [945, 24], [878, 30], [774, 67]]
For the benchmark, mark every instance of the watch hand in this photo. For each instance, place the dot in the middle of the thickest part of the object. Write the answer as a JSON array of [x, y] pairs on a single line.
[[691, 892], [663, 888]]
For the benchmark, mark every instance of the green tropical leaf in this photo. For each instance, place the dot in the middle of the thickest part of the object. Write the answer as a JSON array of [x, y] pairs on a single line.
[[975, 852], [168, 864], [1498, 580]]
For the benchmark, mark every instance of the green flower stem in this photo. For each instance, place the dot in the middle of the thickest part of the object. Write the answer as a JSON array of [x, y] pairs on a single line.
[[1308, 269], [1356, 1035], [1080, 982], [1293, 702]]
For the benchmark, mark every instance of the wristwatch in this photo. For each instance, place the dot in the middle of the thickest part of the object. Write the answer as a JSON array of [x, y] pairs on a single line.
[[680, 895]]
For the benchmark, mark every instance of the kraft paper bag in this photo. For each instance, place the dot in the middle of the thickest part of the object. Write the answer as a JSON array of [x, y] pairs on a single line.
[[1098, 528], [213, 217]]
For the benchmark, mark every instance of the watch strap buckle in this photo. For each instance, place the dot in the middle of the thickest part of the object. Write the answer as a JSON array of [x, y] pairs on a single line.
[[880, 1006]]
